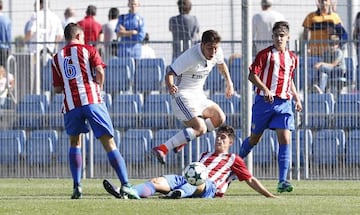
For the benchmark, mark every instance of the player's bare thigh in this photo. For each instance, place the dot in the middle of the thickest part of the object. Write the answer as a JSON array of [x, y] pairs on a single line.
[[161, 185]]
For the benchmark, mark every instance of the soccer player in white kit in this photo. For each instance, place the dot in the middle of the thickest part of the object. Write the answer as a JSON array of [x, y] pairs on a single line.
[[185, 80]]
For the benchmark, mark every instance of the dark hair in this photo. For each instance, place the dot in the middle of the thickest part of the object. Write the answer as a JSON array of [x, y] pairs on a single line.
[[184, 6], [71, 30], [281, 24], [210, 36], [229, 130], [91, 10], [113, 13]]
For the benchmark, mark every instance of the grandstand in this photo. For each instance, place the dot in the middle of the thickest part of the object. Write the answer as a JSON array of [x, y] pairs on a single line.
[[33, 142]]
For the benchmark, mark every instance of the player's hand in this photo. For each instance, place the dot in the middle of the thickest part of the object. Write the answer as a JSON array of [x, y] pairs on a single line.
[[268, 97], [229, 91], [298, 106], [173, 89]]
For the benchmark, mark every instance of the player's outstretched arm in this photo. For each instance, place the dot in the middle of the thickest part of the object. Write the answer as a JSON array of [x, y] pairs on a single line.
[[258, 187]]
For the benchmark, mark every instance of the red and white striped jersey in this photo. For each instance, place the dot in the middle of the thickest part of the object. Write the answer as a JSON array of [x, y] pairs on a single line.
[[73, 69], [276, 70], [222, 166]]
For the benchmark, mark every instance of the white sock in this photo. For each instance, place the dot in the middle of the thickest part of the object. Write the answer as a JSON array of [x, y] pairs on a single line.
[[210, 126], [184, 136]]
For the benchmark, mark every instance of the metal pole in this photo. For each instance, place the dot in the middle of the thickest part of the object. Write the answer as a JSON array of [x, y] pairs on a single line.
[[247, 58]]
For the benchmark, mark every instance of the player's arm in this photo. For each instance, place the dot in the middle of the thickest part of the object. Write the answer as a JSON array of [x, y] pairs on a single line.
[[100, 75], [169, 80], [298, 105], [258, 187], [224, 70], [255, 80]]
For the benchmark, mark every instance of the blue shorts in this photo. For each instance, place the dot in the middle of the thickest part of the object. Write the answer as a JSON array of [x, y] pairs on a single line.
[[97, 116], [179, 182], [276, 115]]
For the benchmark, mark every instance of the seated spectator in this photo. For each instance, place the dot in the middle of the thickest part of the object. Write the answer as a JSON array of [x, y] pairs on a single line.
[[332, 65], [9, 79], [146, 50]]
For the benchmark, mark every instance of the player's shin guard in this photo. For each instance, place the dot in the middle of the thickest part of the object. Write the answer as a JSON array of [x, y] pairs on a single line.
[[210, 126]]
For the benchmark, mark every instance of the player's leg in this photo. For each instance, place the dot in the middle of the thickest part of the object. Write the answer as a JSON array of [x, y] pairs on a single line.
[[261, 115], [283, 121], [100, 122], [74, 126]]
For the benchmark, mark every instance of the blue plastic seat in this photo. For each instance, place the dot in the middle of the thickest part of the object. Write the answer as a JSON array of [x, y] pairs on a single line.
[[215, 81], [46, 76], [117, 78], [125, 114], [352, 147], [135, 145], [149, 75], [346, 111], [160, 137], [157, 114], [264, 153], [30, 115], [55, 117], [235, 70], [302, 133], [41, 145], [124, 61], [328, 146], [319, 114], [12, 144], [100, 155]]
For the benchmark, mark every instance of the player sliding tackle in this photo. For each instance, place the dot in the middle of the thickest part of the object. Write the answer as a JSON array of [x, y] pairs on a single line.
[[222, 168]]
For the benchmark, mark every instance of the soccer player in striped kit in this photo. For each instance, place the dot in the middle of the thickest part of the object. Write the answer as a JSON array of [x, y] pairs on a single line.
[[223, 167], [272, 74], [78, 73]]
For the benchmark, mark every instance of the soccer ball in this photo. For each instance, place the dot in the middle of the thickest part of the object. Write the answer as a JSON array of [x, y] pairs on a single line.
[[196, 173]]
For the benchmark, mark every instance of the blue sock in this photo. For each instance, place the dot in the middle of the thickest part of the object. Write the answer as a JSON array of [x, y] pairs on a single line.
[[145, 189], [284, 161], [118, 163], [75, 161], [245, 148]]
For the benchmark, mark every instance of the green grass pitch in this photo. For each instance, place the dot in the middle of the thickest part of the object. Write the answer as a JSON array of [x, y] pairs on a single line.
[[52, 196]]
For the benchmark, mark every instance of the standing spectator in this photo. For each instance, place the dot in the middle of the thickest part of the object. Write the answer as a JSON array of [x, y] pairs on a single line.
[[69, 16], [146, 50], [80, 78], [5, 36], [272, 74], [131, 30], [185, 81], [184, 28], [222, 167], [332, 65], [109, 32], [319, 25], [262, 24], [7, 83], [356, 38], [51, 30], [92, 29]]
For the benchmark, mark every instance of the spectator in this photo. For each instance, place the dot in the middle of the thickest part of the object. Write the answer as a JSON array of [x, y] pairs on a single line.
[[80, 78], [184, 28], [272, 74], [221, 165], [92, 29], [51, 26], [332, 65], [109, 32], [69, 16], [130, 28], [319, 25], [262, 24], [356, 38], [5, 36], [146, 50], [7, 83]]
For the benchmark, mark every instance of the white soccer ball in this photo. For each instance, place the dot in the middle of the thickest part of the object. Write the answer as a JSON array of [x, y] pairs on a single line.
[[196, 173]]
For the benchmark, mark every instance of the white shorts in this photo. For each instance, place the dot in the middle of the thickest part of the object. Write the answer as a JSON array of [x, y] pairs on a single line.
[[187, 107]]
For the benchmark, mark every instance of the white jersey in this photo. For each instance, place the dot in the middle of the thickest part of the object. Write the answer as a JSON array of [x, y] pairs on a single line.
[[192, 69]]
